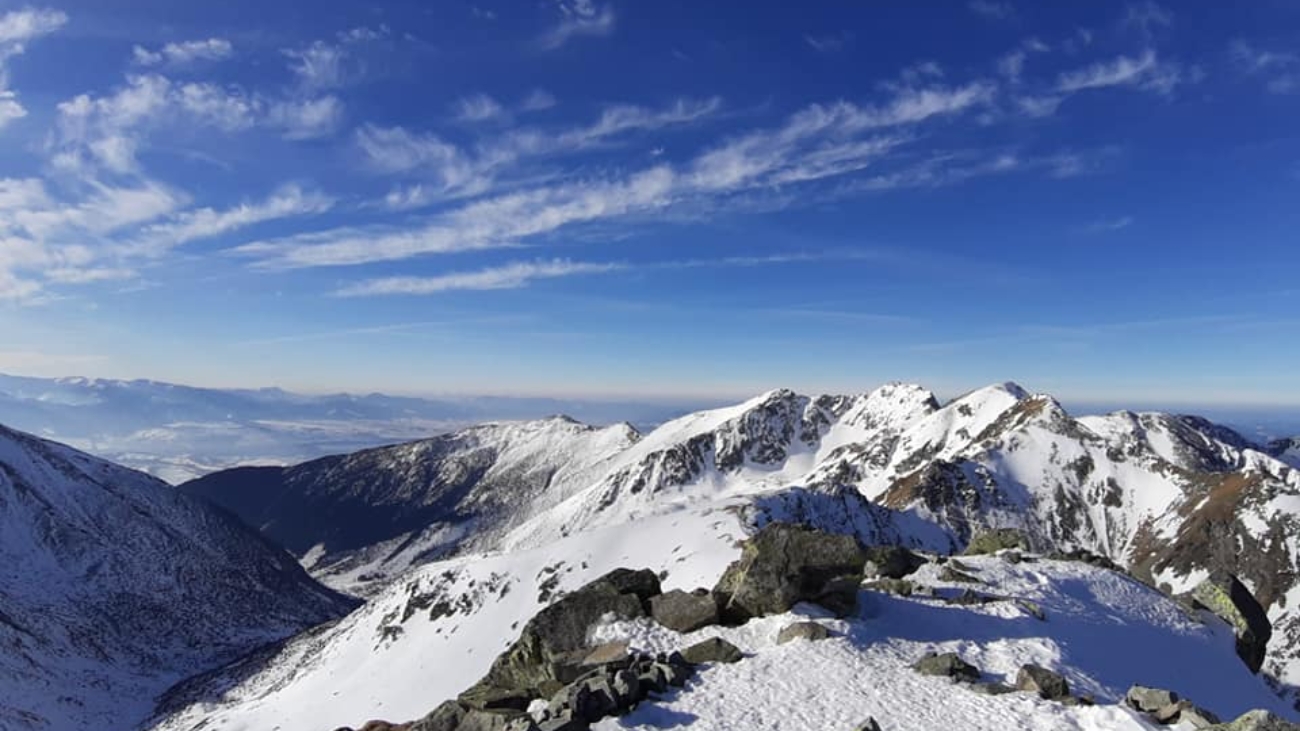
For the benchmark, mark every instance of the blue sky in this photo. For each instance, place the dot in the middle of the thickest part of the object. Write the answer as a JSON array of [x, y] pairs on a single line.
[[655, 199]]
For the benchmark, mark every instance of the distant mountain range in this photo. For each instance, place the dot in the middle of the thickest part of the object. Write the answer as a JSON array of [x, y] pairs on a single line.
[[180, 432]]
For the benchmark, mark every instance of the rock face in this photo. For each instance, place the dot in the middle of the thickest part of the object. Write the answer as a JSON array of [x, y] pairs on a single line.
[[1227, 597], [684, 611], [785, 564], [544, 657], [1044, 682]]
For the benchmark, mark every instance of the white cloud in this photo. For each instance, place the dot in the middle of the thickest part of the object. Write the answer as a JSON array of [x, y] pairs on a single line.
[[537, 100], [365, 34], [478, 108], [453, 171], [990, 9], [18, 27], [578, 18], [305, 119], [1039, 106], [317, 66], [817, 143], [288, 202], [184, 52], [1143, 72], [510, 276]]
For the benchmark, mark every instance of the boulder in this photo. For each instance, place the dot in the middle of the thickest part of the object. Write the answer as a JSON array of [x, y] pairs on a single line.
[[957, 576], [840, 596], [551, 647], [890, 562], [784, 564], [996, 540], [1184, 712], [991, 688], [1225, 595], [868, 725], [384, 726], [684, 612], [1256, 720], [1046, 683], [714, 649], [901, 587], [1149, 700], [608, 654], [948, 664], [498, 720], [802, 631]]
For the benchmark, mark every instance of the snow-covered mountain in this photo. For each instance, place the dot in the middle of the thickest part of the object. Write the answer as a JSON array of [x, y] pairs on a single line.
[[1172, 497], [180, 432], [360, 519], [114, 586], [1287, 450]]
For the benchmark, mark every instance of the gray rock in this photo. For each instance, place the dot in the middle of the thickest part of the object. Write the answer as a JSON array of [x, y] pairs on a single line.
[[608, 654], [1256, 720], [868, 725], [714, 649], [1044, 682], [684, 612], [890, 562], [785, 564], [840, 596], [1185, 712], [802, 631], [552, 645], [563, 724], [996, 540], [948, 664], [498, 720], [1149, 700], [1225, 595]]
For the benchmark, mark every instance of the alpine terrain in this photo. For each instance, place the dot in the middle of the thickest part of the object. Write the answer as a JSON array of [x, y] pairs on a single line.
[[114, 586], [1123, 550]]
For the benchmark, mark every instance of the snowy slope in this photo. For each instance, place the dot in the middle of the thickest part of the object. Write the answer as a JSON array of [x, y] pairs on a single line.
[[113, 586], [1171, 497], [1287, 450], [405, 652], [360, 519]]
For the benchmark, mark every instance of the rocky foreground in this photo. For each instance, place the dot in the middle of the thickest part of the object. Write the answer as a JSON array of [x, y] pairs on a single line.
[[621, 647]]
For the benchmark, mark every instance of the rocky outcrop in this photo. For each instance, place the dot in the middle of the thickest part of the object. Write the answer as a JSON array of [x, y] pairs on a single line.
[[552, 645], [1149, 700], [785, 564], [996, 540], [684, 611], [1225, 595]]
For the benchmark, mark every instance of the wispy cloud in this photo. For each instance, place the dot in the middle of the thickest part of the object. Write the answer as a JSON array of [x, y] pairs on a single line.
[[578, 18], [184, 52], [991, 9], [510, 276], [1280, 69], [537, 100], [478, 108], [17, 28], [454, 171], [828, 43], [1108, 225], [289, 201], [1147, 16], [1143, 72]]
